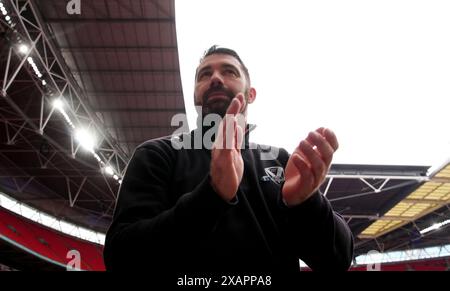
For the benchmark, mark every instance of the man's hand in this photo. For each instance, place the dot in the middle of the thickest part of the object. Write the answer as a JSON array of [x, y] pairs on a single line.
[[308, 165], [227, 166]]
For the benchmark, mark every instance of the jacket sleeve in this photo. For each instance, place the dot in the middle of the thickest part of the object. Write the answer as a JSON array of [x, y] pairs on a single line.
[[149, 225], [320, 236]]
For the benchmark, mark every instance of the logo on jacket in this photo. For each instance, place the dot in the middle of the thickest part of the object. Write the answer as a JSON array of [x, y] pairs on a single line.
[[276, 174]]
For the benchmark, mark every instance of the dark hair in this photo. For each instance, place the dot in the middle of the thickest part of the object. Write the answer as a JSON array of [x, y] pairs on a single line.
[[216, 49]]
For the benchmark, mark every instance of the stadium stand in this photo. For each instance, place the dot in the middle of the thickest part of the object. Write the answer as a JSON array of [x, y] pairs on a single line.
[[48, 244]]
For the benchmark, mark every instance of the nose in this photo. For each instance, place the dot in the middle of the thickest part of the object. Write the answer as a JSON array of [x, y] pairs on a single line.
[[216, 79]]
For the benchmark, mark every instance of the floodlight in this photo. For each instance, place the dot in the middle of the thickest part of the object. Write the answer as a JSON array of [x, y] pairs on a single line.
[[85, 139], [109, 170]]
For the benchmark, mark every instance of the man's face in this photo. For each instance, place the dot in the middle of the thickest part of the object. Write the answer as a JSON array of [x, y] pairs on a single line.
[[219, 78]]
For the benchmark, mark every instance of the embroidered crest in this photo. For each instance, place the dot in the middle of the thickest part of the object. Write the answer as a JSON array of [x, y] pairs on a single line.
[[276, 174]]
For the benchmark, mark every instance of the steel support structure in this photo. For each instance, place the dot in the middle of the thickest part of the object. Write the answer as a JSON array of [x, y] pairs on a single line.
[[54, 80]]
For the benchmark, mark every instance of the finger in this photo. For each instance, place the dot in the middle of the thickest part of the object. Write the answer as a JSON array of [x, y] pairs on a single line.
[[329, 136], [299, 152], [230, 132], [241, 98], [302, 167], [318, 166], [218, 141], [324, 149], [221, 140], [235, 106], [239, 137]]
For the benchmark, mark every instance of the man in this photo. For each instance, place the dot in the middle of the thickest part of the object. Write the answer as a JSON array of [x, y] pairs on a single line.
[[227, 207]]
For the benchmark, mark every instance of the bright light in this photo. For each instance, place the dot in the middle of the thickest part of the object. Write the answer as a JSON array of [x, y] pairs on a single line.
[[109, 170], [7, 18], [97, 157], [58, 104], [435, 226], [85, 139], [34, 66], [116, 177], [376, 72]]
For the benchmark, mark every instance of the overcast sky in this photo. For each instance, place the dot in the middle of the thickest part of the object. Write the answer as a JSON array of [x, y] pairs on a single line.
[[376, 72]]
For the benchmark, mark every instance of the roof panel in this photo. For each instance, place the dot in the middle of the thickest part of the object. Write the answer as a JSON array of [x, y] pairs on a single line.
[[130, 33], [114, 9], [165, 30], [141, 34], [92, 9], [151, 9], [59, 31], [168, 59], [130, 9], [100, 82]]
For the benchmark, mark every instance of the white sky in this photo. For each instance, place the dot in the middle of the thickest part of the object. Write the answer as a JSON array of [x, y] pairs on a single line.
[[376, 72]]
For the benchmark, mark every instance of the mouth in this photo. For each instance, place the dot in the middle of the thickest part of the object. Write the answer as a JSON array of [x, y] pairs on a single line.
[[218, 97]]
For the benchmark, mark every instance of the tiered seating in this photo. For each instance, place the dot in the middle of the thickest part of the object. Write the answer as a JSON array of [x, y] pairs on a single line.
[[48, 243]]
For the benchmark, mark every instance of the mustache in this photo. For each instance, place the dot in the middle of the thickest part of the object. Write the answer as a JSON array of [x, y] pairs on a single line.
[[213, 90]]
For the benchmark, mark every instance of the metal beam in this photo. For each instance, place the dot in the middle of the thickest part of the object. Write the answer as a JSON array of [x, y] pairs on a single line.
[[36, 128], [376, 190], [73, 198], [379, 176], [7, 83], [47, 58], [351, 196], [328, 186], [150, 110], [148, 92], [142, 127], [52, 191], [376, 217], [132, 141], [80, 20], [61, 173], [109, 71], [54, 176], [101, 49]]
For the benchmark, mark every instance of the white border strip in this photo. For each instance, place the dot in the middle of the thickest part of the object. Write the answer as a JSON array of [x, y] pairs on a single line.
[[374, 257]]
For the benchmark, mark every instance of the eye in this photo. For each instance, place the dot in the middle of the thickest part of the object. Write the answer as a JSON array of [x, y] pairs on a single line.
[[230, 72], [203, 74]]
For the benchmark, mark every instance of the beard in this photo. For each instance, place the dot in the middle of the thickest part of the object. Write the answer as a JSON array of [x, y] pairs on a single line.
[[217, 105]]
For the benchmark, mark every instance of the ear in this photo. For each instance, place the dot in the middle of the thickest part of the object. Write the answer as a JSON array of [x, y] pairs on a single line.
[[251, 95]]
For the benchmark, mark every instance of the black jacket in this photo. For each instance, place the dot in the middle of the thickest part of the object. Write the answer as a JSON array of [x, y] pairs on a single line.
[[168, 217]]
